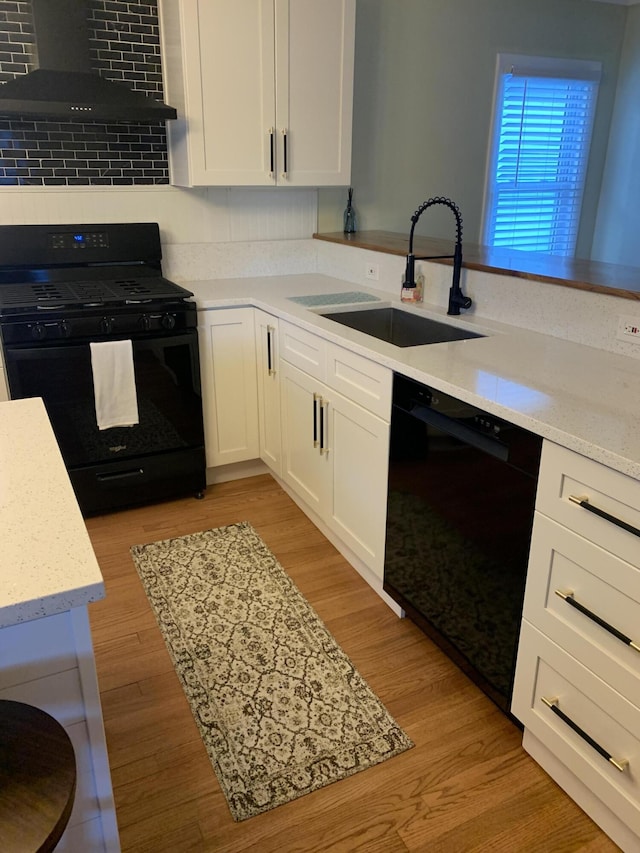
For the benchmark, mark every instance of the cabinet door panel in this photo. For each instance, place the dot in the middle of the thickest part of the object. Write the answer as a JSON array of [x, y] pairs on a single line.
[[358, 447], [229, 387], [314, 90], [220, 77], [268, 390], [236, 54], [304, 468]]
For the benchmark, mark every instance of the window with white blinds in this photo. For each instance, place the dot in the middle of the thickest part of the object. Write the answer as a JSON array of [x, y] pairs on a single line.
[[543, 118]]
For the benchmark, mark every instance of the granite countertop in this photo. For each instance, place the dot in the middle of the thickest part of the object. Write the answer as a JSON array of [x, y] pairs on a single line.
[[583, 398], [47, 564]]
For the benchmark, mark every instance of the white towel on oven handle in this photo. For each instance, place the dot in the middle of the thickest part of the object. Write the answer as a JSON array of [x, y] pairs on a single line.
[[114, 384]]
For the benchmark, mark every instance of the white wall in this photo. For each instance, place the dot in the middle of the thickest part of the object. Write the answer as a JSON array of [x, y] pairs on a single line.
[[205, 232], [618, 221], [575, 315], [234, 233], [423, 94]]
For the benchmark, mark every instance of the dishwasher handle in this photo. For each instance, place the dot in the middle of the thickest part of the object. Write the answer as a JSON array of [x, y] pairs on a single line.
[[486, 443]]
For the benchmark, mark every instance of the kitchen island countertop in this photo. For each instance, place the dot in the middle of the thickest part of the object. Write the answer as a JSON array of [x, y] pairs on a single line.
[[583, 398], [47, 564]]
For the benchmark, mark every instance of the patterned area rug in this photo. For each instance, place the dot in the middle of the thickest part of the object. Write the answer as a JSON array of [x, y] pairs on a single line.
[[281, 709]]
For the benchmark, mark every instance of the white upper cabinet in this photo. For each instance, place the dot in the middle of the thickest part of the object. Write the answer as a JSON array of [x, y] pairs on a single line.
[[263, 90]]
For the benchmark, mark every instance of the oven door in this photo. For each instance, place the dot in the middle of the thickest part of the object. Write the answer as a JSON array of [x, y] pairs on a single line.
[[167, 378]]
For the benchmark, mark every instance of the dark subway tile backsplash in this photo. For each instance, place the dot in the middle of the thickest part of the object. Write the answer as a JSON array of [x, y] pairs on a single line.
[[125, 46]]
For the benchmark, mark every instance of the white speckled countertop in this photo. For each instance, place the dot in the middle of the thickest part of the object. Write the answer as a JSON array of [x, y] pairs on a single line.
[[47, 564], [583, 398]]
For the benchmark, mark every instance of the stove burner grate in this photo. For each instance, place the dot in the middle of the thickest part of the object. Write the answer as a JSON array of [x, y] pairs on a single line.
[[28, 295]]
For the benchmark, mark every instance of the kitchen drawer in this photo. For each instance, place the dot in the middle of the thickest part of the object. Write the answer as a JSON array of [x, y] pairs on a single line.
[[359, 379], [604, 584], [564, 473], [304, 350], [545, 670]]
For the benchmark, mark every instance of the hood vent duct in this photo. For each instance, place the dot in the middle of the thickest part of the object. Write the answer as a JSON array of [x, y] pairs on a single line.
[[63, 85]]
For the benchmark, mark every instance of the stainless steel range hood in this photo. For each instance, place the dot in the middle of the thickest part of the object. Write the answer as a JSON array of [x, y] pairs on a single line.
[[63, 85]]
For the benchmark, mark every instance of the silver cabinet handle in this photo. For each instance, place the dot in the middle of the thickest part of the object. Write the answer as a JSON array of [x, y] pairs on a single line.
[[324, 426], [620, 764], [583, 501], [316, 399], [568, 596]]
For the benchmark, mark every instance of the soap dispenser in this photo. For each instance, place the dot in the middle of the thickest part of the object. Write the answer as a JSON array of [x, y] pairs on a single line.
[[413, 294]]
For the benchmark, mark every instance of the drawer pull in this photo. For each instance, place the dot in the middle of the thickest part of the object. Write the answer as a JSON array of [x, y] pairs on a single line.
[[567, 595], [620, 764], [583, 501]]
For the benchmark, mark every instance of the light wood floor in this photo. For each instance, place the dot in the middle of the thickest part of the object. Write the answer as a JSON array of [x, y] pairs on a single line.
[[466, 786]]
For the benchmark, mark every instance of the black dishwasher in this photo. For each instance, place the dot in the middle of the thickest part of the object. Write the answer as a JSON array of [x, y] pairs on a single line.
[[461, 498]]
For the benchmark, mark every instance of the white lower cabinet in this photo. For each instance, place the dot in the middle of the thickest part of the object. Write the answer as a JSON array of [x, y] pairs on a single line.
[[229, 385], [305, 468], [335, 451], [268, 376], [591, 728], [358, 444], [577, 685]]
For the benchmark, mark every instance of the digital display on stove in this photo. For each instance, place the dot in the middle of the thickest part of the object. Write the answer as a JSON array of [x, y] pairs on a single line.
[[80, 240]]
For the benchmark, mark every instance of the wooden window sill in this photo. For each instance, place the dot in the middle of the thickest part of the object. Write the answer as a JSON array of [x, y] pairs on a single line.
[[612, 279]]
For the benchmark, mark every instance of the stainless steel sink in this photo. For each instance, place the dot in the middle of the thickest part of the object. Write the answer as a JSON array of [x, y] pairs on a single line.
[[401, 328]]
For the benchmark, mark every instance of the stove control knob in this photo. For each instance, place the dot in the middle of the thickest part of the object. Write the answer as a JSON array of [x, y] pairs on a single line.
[[168, 321], [106, 325], [65, 329], [145, 322], [38, 332]]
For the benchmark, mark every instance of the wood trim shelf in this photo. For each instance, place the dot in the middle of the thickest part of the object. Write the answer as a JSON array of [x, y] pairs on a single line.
[[595, 276]]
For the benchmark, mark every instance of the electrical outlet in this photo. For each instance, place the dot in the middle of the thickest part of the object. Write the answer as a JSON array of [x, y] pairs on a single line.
[[372, 271], [629, 329]]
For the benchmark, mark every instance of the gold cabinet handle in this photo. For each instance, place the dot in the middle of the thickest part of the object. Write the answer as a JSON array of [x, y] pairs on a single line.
[[583, 501], [568, 596], [620, 764]]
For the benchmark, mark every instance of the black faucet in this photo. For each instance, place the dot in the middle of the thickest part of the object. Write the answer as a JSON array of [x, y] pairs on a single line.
[[457, 299]]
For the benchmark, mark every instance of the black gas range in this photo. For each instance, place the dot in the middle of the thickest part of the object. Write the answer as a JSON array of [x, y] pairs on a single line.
[[62, 282], [67, 289]]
